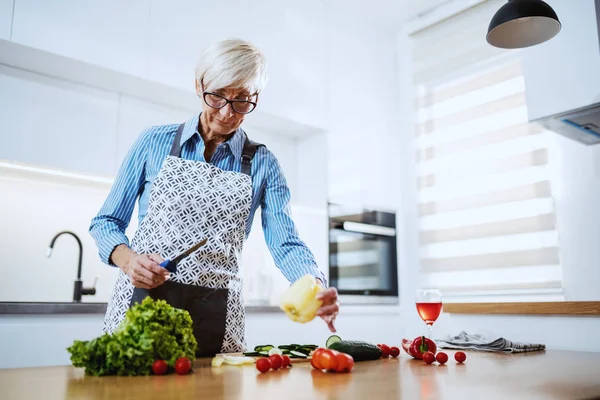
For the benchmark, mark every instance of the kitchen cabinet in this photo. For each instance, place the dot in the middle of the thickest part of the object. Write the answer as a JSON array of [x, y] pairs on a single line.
[[6, 13], [51, 122], [109, 33], [137, 115]]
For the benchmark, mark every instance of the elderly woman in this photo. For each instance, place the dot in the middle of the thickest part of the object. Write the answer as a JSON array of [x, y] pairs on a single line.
[[203, 179]]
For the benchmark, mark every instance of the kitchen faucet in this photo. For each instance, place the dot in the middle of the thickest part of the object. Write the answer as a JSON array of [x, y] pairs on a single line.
[[78, 289]]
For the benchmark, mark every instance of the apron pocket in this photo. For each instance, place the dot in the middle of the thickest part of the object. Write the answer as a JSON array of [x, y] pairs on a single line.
[[207, 308]]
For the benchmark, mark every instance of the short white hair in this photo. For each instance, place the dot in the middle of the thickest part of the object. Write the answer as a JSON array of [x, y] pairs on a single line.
[[232, 63]]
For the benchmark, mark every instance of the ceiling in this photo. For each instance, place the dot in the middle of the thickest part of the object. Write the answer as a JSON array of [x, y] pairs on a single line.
[[388, 12]]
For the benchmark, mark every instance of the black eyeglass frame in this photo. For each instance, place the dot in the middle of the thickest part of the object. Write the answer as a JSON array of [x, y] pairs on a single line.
[[227, 101]]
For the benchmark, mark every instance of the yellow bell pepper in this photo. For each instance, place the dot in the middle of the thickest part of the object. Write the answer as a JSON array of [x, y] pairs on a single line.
[[299, 301]]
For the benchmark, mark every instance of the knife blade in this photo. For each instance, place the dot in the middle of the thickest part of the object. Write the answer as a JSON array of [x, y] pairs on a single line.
[[171, 265]]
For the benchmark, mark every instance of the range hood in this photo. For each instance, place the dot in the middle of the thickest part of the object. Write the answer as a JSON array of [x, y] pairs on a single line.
[[562, 75]]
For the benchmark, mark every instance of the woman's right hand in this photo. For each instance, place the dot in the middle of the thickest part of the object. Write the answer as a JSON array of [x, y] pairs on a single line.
[[143, 270]]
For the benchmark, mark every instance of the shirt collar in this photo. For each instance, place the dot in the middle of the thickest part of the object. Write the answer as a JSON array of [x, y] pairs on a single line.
[[235, 143]]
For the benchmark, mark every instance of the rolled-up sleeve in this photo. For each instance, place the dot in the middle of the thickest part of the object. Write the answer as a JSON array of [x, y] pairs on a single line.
[[109, 226], [290, 253]]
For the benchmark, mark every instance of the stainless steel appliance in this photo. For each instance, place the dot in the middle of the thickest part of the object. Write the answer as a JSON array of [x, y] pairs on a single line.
[[362, 255]]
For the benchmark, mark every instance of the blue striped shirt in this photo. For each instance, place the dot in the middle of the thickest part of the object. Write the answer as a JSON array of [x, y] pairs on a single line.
[[269, 190]]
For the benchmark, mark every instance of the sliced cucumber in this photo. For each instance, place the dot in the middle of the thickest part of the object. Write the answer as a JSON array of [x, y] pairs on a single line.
[[275, 350], [252, 354], [265, 347], [264, 353], [332, 339], [297, 354], [302, 350], [310, 346], [286, 347]]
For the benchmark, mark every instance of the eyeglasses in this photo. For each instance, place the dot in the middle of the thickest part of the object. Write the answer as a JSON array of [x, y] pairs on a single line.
[[239, 106]]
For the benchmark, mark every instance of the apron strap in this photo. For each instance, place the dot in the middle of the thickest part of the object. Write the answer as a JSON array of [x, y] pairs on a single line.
[[248, 152], [176, 147]]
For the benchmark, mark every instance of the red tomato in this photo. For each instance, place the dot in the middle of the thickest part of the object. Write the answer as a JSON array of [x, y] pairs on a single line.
[[159, 367], [263, 365], [460, 357], [276, 361], [344, 362], [385, 351], [286, 362], [328, 360], [441, 357], [394, 351], [183, 365], [316, 358], [429, 357]]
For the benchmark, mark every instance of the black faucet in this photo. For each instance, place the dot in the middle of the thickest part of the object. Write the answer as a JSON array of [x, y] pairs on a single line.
[[78, 290]]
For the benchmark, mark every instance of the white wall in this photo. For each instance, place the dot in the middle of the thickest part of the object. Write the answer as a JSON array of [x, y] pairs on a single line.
[[579, 220]]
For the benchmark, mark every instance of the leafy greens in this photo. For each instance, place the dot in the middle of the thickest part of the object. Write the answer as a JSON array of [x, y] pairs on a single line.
[[152, 330]]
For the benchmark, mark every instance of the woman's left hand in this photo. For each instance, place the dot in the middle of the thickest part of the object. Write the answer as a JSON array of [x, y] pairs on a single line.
[[330, 308]]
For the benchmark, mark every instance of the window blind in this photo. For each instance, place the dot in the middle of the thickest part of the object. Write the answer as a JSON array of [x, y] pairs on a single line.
[[487, 219]]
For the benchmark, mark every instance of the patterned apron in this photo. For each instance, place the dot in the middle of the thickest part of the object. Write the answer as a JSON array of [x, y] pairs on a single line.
[[190, 201]]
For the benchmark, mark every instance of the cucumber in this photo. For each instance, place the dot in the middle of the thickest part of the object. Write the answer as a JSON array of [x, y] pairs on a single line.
[[297, 354], [360, 351], [252, 354], [310, 346], [302, 350], [286, 347], [264, 353], [275, 350], [265, 347], [332, 339]]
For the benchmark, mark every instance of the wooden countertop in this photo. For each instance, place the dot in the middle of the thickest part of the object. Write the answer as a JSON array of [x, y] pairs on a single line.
[[549, 375]]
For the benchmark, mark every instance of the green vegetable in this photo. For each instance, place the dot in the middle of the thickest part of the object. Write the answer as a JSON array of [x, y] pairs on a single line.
[[152, 330], [360, 351], [332, 339]]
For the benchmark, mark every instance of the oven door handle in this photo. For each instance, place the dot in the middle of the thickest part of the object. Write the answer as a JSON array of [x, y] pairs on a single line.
[[368, 228]]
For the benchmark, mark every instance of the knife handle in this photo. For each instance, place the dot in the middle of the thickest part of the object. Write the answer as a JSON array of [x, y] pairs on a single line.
[[169, 265]]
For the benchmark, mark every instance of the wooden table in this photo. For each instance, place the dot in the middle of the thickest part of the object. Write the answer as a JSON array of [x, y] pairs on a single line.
[[549, 375]]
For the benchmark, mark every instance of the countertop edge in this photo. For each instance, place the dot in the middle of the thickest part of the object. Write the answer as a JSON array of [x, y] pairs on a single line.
[[33, 308]]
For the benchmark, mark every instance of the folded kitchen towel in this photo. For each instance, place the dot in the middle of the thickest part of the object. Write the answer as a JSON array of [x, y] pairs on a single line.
[[465, 341]]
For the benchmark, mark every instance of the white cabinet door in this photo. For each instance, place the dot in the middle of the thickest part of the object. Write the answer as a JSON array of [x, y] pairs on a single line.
[[6, 14], [136, 116], [53, 123], [109, 33]]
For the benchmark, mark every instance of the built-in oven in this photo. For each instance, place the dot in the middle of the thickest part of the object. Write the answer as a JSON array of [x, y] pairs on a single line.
[[362, 255]]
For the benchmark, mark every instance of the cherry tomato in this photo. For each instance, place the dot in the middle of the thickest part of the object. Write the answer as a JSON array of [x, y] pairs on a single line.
[[183, 365], [263, 364], [460, 357], [276, 361], [286, 362], [328, 360], [316, 358], [159, 367], [429, 357], [344, 362], [394, 351], [441, 357], [385, 351]]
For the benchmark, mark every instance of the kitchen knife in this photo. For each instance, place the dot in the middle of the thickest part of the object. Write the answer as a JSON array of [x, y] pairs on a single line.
[[171, 265]]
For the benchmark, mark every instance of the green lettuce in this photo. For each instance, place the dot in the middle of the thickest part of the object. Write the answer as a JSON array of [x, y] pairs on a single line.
[[152, 330]]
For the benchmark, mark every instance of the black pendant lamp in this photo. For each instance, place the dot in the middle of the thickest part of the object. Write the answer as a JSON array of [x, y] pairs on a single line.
[[522, 23]]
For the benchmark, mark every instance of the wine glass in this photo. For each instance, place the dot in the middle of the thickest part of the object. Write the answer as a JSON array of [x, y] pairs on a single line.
[[429, 305]]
